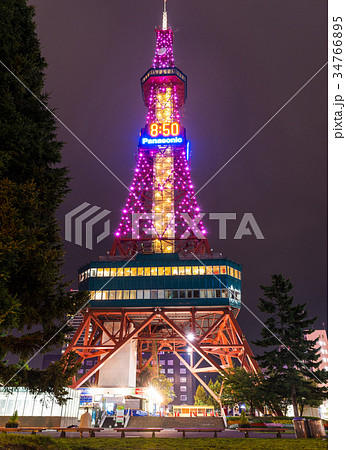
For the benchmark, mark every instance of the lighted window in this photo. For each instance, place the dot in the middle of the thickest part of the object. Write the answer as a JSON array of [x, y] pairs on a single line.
[[168, 271], [239, 275], [182, 388], [119, 295], [195, 270], [92, 295], [140, 271], [88, 273], [140, 294], [182, 293], [188, 270], [100, 272], [181, 270], [133, 271], [147, 293], [182, 370], [210, 293], [170, 370], [98, 295], [147, 271], [216, 270], [161, 293], [154, 271], [183, 398], [81, 277], [171, 379], [236, 273], [228, 270], [93, 272], [168, 293], [224, 293], [127, 272], [174, 270], [161, 271], [223, 270], [126, 295], [210, 270], [170, 362], [203, 293], [154, 293], [133, 295], [162, 371], [202, 270], [163, 362], [106, 272], [111, 295], [113, 272], [105, 295], [120, 272], [182, 379]]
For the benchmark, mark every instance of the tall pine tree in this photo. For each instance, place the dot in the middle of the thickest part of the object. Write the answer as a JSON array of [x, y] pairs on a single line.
[[290, 363], [34, 300]]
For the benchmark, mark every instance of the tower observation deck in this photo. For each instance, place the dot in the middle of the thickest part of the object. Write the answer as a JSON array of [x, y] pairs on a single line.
[[161, 288]]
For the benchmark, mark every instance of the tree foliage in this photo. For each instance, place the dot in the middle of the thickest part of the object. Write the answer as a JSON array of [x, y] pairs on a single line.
[[201, 397], [215, 387], [34, 299], [290, 360], [240, 386]]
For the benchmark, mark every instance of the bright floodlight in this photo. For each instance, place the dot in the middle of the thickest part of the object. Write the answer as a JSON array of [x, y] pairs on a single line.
[[190, 336], [189, 350]]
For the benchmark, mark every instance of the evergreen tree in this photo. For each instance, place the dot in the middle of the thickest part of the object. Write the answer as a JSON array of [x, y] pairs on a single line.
[[34, 299], [201, 397], [290, 363]]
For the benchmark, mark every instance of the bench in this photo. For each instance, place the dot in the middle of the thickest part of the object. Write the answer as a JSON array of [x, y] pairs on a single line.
[[278, 431], [33, 430], [200, 430], [138, 430], [64, 430]]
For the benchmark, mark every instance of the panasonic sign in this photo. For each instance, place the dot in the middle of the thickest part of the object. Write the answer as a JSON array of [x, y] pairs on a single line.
[[163, 140]]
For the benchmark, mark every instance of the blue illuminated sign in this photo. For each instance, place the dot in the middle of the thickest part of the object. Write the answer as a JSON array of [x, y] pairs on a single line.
[[161, 140]]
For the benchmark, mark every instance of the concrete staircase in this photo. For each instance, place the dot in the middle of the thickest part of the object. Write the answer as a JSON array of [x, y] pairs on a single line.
[[176, 422]]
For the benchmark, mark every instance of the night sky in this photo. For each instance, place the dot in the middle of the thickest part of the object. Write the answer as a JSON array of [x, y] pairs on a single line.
[[244, 60]]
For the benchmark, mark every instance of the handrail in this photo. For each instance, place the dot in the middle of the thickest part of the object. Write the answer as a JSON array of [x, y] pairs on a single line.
[[103, 417], [224, 416], [127, 418]]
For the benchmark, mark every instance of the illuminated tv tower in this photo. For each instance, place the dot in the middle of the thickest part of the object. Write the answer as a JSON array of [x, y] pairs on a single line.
[[161, 289], [161, 214]]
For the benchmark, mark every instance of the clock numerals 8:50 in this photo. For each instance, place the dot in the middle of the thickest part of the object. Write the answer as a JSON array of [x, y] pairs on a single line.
[[166, 129]]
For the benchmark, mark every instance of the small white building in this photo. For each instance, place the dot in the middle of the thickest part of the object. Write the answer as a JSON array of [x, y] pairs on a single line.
[[39, 410]]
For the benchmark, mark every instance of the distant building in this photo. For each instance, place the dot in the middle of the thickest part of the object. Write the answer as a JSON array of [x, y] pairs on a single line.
[[322, 345]]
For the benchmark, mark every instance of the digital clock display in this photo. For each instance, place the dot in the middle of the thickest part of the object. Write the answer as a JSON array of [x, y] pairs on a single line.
[[164, 129]]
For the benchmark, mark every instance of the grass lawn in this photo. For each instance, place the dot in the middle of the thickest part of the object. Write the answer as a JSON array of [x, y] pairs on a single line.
[[21, 442]]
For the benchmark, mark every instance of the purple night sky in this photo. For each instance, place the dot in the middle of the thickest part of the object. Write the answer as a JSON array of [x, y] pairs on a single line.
[[244, 61]]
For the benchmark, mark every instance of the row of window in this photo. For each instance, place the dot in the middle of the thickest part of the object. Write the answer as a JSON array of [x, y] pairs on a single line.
[[141, 294], [158, 271]]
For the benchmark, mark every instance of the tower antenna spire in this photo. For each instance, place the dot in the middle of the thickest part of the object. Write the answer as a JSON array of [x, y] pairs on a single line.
[[164, 16]]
